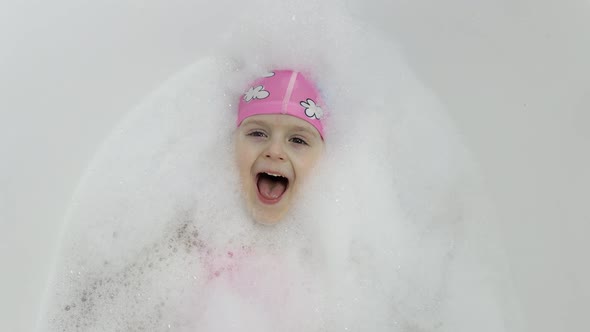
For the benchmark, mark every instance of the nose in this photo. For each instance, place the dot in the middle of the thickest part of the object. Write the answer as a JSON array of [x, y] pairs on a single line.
[[275, 151]]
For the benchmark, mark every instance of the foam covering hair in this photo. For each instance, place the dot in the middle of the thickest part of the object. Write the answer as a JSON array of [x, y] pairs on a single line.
[[391, 233]]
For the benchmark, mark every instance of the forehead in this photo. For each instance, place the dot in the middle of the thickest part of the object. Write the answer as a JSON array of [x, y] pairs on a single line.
[[280, 121]]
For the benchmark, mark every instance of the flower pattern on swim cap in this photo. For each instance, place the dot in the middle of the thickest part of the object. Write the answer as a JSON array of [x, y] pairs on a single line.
[[311, 109], [256, 93]]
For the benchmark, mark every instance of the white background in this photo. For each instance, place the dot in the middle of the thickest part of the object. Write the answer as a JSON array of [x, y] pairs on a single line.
[[514, 75]]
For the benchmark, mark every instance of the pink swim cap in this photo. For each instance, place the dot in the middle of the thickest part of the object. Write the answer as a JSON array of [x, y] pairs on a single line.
[[283, 92]]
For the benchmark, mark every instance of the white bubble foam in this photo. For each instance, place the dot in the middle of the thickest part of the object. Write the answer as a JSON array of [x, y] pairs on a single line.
[[380, 240]]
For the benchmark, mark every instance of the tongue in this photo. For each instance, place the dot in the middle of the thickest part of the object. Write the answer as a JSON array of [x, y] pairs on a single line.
[[270, 189]]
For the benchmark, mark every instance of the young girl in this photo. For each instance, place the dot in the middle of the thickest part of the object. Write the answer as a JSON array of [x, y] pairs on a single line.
[[278, 141]]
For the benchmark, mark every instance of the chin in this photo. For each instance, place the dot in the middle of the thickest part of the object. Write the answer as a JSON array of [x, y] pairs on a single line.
[[266, 218]]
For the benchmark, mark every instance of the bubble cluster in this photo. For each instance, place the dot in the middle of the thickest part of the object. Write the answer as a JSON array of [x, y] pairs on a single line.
[[158, 237]]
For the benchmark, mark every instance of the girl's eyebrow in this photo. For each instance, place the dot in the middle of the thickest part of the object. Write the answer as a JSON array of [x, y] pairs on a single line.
[[256, 123], [304, 129], [295, 128]]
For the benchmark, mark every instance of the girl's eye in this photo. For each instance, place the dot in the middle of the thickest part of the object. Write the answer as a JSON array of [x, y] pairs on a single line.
[[257, 133], [298, 140]]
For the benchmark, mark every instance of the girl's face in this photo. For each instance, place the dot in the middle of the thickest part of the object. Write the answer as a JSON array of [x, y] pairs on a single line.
[[275, 153]]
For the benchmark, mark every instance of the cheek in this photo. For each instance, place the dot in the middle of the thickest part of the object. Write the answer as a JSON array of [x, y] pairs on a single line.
[[306, 162], [245, 157]]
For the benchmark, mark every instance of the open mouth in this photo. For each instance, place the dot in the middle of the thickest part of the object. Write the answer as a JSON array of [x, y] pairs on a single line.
[[271, 186]]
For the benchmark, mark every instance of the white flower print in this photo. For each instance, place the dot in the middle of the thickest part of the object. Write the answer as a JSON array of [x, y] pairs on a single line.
[[311, 109], [269, 74], [256, 93]]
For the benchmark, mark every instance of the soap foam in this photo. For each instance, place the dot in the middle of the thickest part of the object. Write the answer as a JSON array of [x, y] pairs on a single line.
[[380, 239]]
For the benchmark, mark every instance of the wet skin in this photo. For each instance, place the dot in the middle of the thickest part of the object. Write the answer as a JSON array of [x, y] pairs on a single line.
[[275, 153]]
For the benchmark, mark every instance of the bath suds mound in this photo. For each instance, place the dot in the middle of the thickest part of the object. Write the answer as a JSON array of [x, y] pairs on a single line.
[[389, 235]]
